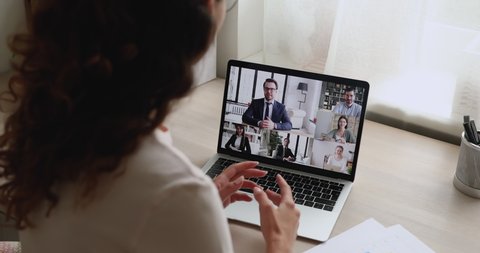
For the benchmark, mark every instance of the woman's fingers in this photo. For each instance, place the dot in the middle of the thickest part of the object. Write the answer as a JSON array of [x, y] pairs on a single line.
[[235, 177], [285, 190], [237, 168], [261, 198], [278, 223], [240, 196], [274, 197], [226, 188]]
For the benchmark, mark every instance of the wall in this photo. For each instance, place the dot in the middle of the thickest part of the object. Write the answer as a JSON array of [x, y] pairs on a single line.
[[241, 35], [205, 69], [7, 232], [11, 20]]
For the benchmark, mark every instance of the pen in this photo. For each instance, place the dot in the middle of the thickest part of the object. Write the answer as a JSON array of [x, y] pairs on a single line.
[[476, 138], [468, 132], [471, 133]]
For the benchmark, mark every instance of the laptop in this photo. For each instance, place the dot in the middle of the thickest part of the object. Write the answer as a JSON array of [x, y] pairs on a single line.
[[313, 104]]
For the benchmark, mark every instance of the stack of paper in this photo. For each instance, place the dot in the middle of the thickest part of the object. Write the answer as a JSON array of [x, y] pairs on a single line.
[[372, 237]]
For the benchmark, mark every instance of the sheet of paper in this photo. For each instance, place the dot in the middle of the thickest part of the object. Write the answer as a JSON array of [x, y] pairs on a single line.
[[371, 237], [355, 235], [402, 240]]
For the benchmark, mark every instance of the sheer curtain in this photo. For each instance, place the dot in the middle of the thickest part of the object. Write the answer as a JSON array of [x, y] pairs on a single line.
[[421, 57]]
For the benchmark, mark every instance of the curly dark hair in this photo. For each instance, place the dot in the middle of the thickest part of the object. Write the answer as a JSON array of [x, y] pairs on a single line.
[[92, 77]]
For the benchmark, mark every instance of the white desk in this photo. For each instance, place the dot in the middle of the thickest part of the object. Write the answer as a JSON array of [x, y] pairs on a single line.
[[402, 178]]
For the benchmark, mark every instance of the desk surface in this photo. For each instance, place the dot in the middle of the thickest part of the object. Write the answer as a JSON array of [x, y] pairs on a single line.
[[402, 178]]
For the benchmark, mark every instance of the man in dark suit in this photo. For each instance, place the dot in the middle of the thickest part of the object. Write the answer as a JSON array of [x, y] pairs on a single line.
[[267, 112], [284, 152]]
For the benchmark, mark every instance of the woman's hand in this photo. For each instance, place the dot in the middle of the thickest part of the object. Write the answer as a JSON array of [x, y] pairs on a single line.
[[233, 178], [279, 218]]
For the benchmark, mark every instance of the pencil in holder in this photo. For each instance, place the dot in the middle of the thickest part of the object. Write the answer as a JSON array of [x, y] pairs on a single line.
[[467, 175]]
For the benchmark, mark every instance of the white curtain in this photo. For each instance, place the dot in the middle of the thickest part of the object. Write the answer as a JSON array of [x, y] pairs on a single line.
[[421, 57]]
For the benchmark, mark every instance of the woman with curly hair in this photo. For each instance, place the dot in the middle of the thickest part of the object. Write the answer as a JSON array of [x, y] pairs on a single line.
[[86, 162]]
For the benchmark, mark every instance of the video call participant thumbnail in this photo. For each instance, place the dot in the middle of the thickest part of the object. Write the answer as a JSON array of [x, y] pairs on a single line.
[[267, 112]]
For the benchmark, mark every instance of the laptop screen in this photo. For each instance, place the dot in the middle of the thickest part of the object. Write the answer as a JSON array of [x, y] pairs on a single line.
[[300, 120]]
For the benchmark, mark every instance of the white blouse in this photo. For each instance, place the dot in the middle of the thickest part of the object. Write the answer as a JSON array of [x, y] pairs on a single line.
[[161, 203]]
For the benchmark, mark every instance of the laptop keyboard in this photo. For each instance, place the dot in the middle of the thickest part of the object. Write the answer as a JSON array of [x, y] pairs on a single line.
[[307, 191]]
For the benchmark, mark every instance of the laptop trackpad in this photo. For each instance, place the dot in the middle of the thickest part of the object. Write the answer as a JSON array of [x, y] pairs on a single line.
[[314, 226]]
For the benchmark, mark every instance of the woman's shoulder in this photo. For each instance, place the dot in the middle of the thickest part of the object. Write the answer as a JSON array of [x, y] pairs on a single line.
[[333, 131], [349, 133], [158, 160]]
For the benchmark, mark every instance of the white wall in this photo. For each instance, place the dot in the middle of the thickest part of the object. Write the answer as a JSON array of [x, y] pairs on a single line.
[[250, 27], [205, 70], [242, 33], [11, 20]]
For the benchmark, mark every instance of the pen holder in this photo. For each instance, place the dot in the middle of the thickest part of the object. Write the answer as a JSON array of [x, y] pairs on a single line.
[[467, 175]]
